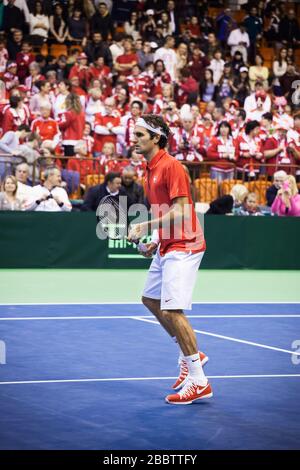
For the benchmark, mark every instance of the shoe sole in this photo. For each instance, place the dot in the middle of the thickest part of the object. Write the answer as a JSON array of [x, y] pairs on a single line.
[[209, 395], [205, 360]]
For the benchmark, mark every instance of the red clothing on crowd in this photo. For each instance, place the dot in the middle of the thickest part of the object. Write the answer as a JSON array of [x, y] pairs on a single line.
[[72, 125], [90, 142], [23, 61], [182, 147], [13, 118], [114, 164], [138, 85], [10, 80], [185, 88], [104, 75], [46, 128], [218, 148], [83, 166], [127, 59], [282, 160], [101, 139], [82, 72], [244, 145], [165, 181], [158, 82]]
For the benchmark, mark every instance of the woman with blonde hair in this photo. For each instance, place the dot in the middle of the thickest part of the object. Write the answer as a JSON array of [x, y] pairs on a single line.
[[8, 196], [287, 201], [72, 124]]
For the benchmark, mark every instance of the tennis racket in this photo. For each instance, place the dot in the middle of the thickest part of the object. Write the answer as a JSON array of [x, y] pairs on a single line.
[[113, 221]]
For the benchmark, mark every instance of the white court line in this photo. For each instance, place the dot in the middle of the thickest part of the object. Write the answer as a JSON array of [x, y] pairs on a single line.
[[119, 317], [229, 338], [16, 304], [132, 379]]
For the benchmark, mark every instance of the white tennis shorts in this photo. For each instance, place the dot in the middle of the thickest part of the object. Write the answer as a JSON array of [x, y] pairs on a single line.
[[171, 278]]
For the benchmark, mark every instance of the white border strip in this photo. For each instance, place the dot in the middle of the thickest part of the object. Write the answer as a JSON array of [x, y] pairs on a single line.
[[229, 338], [132, 379], [16, 304], [138, 317]]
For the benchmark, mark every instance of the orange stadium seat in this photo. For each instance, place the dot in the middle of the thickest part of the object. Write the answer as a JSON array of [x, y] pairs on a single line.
[[92, 180], [58, 49], [227, 185], [259, 187], [267, 53], [206, 189]]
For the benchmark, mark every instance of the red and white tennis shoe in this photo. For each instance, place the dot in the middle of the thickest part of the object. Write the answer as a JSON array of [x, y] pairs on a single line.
[[184, 372], [190, 393]]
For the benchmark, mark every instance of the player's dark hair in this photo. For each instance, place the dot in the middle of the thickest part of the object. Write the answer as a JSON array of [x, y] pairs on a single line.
[[158, 123]]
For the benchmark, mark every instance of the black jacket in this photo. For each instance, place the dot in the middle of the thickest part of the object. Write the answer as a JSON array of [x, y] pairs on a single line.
[[271, 194], [93, 51], [102, 24], [94, 196]]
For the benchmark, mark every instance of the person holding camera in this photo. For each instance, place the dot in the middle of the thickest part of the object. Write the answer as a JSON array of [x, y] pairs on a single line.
[[187, 142], [50, 196]]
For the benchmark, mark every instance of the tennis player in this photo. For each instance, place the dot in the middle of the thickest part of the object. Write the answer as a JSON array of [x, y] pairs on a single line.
[[180, 248]]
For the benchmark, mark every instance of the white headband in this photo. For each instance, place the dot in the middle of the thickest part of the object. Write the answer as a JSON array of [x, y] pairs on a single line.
[[141, 122]]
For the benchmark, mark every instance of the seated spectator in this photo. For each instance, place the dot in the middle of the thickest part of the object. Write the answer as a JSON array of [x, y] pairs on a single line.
[[111, 186], [279, 70], [145, 55], [238, 193], [10, 143], [39, 25], [225, 86], [278, 179], [222, 149], [10, 77], [134, 191], [49, 197], [258, 72], [81, 70], [250, 206], [8, 196], [24, 188], [287, 200], [237, 63]]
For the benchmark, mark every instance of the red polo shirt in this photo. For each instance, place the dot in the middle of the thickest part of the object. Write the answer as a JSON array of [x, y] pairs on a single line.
[[166, 180]]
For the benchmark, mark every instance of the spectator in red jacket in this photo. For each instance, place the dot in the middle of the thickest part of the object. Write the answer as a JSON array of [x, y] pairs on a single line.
[[222, 149], [23, 60], [188, 88], [46, 127], [72, 124]]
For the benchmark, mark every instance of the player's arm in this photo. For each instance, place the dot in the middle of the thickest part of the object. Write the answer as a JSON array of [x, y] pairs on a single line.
[[179, 211]]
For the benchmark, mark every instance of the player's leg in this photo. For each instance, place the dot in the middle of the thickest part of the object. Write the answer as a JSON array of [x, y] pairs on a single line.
[[154, 306], [179, 276]]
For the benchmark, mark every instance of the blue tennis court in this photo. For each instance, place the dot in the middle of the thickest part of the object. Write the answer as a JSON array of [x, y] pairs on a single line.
[[94, 376]]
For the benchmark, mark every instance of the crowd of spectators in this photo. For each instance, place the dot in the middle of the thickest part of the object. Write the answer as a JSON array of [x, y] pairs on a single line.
[[76, 75]]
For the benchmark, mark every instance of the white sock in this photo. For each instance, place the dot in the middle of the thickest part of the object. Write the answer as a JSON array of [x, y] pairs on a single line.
[[196, 370], [181, 355]]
